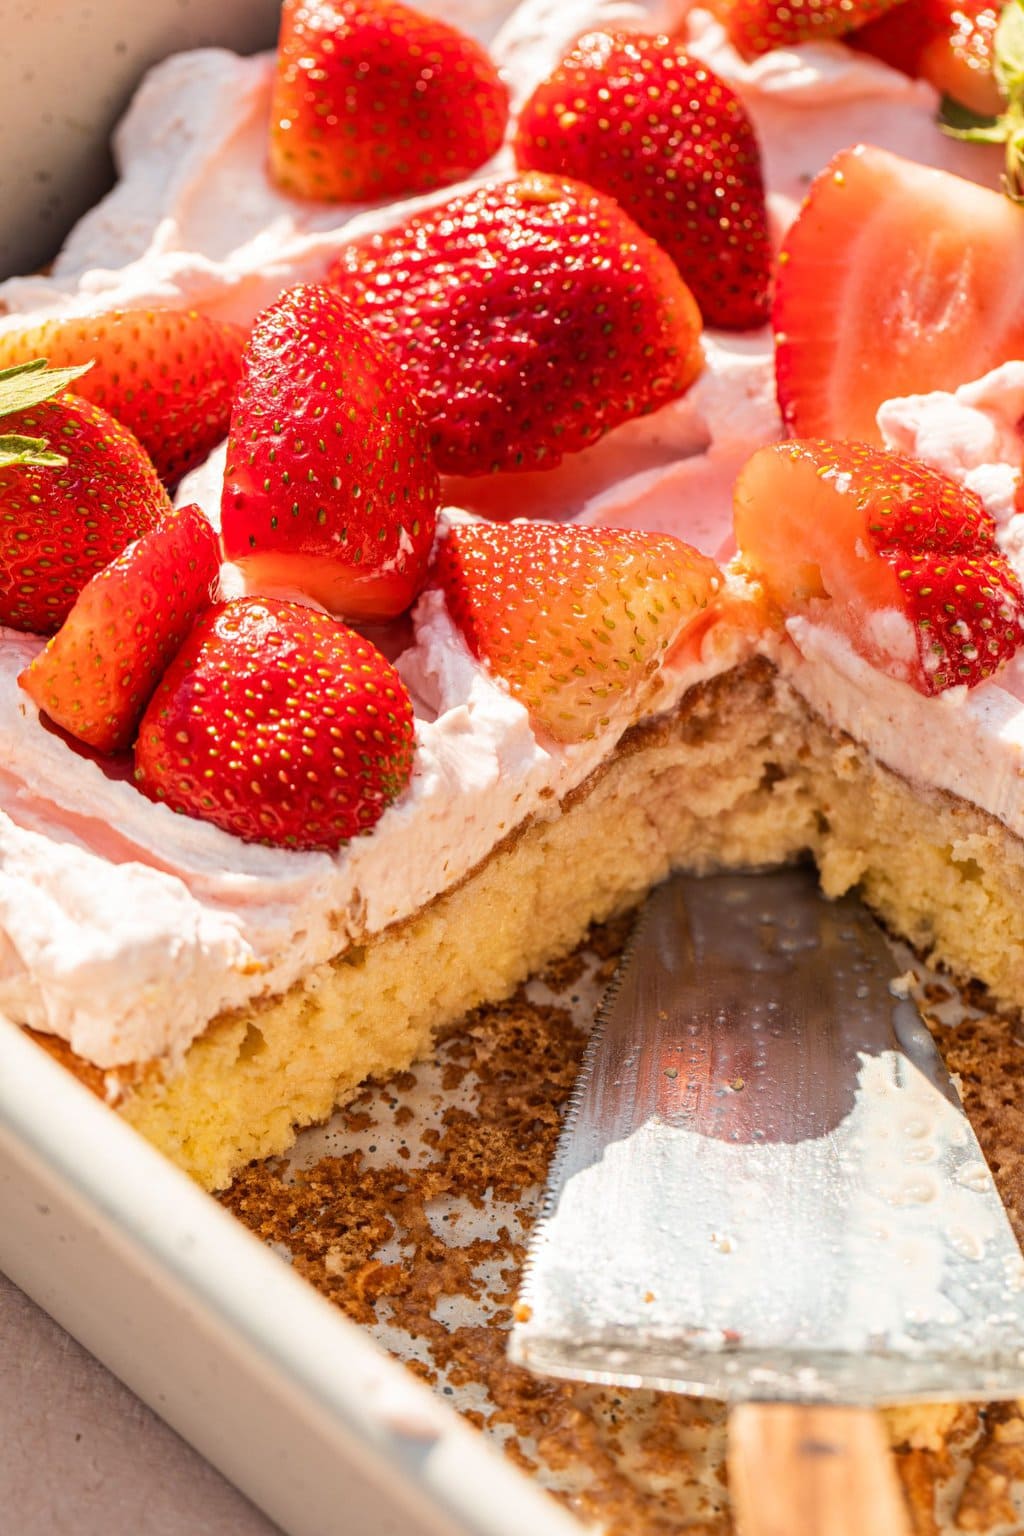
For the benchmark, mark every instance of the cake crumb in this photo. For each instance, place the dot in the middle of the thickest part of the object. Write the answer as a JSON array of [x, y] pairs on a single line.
[[903, 986]]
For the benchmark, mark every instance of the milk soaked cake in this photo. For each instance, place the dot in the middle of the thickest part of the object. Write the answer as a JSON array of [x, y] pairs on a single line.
[[846, 687]]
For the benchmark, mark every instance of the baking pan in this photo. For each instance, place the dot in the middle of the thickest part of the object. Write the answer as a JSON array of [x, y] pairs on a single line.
[[67, 72], [297, 1406], [289, 1400]]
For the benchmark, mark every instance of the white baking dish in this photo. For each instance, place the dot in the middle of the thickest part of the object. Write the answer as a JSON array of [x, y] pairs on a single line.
[[292, 1402], [67, 72]]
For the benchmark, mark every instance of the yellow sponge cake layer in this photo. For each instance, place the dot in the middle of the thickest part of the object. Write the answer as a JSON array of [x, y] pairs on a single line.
[[741, 774]]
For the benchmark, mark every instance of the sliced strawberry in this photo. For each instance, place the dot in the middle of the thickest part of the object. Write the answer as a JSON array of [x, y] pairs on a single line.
[[530, 316], [97, 674], [167, 374], [637, 118], [758, 26], [373, 99], [894, 280], [575, 620], [949, 43], [330, 488], [61, 523], [279, 724], [860, 538]]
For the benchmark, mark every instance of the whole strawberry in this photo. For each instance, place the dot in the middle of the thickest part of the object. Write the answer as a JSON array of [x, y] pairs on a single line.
[[330, 489], [859, 538], [637, 118], [75, 488], [278, 724], [575, 620], [758, 26], [373, 99], [97, 674], [166, 374], [530, 316]]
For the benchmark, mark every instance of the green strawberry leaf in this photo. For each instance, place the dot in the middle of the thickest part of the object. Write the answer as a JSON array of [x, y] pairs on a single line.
[[1009, 51], [29, 384], [960, 122], [1008, 128], [15, 449], [1013, 179]]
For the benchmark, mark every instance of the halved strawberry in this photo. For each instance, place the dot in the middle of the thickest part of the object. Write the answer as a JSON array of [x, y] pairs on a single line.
[[64, 518], [894, 280], [949, 43], [373, 99], [96, 676], [278, 724], [330, 488], [863, 539], [637, 118], [757, 26], [529, 315], [575, 620], [167, 374]]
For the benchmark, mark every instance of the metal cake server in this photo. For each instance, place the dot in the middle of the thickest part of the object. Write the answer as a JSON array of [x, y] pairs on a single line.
[[767, 1191]]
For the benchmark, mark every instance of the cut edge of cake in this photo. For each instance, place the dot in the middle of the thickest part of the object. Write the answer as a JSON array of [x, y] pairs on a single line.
[[740, 774]]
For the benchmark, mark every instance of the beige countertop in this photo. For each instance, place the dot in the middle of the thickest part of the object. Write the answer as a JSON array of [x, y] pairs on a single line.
[[80, 1455]]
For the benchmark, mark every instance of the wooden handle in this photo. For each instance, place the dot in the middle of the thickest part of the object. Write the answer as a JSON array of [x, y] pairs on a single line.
[[809, 1471]]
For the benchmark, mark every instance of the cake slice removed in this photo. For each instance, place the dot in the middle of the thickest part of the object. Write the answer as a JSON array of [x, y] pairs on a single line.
[[739, 773]]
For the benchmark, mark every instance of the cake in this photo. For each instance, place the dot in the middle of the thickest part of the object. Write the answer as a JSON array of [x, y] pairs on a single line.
[[218, 993]]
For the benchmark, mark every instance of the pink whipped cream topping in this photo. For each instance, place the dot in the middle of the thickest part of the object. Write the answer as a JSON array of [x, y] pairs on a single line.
[[125, 928]]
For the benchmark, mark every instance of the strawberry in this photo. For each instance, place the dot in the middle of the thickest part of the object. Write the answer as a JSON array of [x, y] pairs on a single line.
[[758, 26], [279, 724], [575, 620], [65, 514], [530, 316], [1002, 123], [96, 675], [637, 118], [166, 374], [373, 100], [894, 280], [949, 43], [329, 488], [859, 538]]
